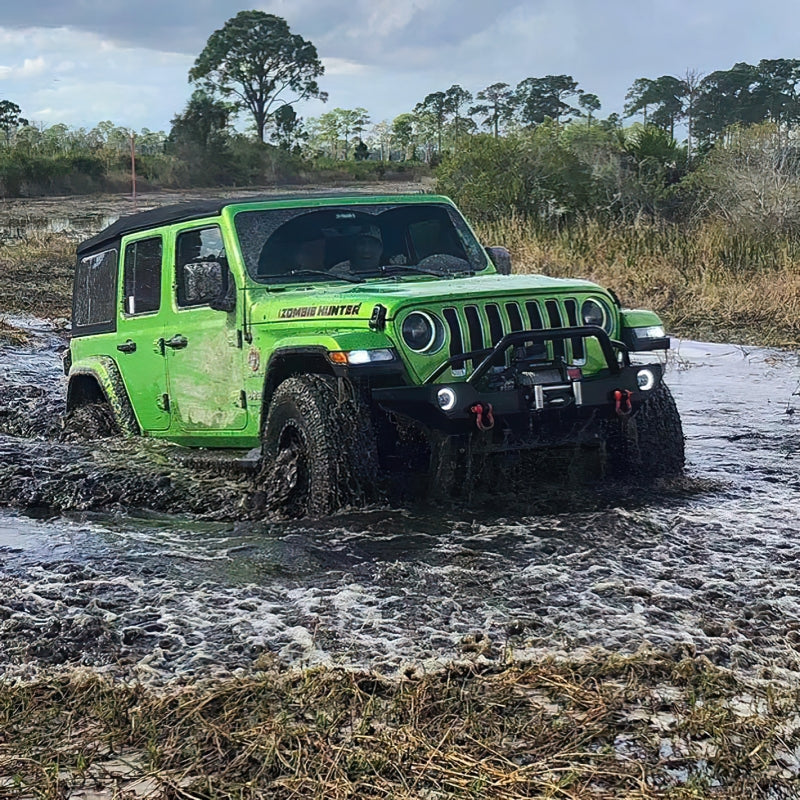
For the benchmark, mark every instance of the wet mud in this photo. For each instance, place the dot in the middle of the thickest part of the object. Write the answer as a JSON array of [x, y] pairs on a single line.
[[132, 558]]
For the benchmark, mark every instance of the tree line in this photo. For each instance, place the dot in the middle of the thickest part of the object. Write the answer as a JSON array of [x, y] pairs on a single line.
[[540, 146]]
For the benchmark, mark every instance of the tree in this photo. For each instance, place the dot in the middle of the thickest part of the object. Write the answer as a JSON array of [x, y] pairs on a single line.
[[725, 98], [361, 151], [539, 98], [589, 103], [203, 122], [692, 80], [403, 132], [326, 130], [497, 105], [257, 59], [638, 98], [776, 91], [287, 130], [435, 107], [381, 136], [455, 99], [10, 118], [351, 120]]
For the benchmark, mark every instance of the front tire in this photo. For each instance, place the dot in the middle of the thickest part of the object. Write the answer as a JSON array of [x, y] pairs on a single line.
[[318, 448], [90, 421], [649, 445]]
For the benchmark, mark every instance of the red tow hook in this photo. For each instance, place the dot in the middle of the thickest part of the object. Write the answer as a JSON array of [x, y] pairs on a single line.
[[622, 400], [479, 410]]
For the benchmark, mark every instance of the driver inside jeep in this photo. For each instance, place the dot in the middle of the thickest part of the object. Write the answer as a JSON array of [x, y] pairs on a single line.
[[365, 251]]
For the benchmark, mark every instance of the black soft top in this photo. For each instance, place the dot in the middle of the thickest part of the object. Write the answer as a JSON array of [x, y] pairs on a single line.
[[195, 209]]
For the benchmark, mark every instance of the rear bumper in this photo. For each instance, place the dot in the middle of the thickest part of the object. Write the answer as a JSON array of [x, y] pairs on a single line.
[[615, 390]]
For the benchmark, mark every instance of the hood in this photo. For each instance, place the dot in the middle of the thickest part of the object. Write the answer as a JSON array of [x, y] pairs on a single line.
[[356, 301]]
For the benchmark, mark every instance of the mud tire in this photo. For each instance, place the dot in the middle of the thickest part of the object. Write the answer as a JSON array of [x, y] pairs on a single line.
[[649, 445], [90, 421], [319, 451]]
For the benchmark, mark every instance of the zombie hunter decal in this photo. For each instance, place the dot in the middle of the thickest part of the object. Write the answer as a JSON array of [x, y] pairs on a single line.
[[351, 310]]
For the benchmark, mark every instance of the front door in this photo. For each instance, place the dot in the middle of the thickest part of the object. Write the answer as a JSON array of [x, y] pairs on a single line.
[[203, 346], [140, 331]]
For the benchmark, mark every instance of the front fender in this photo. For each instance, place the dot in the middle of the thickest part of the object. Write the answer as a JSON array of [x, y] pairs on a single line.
[[106, 374]]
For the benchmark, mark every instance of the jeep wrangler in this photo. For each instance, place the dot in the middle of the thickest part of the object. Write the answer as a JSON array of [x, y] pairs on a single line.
[[351, 336]]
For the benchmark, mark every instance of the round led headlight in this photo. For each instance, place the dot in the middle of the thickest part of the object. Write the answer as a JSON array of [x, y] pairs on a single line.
[[593, 312], [446, 398], [645, 379], [419, 331]]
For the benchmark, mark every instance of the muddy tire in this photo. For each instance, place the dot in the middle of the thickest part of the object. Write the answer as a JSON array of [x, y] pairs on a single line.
[[650, 444], [89, 421], [318, 448]]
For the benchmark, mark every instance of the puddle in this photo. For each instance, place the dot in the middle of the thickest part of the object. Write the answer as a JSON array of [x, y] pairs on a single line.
[[157, 596]]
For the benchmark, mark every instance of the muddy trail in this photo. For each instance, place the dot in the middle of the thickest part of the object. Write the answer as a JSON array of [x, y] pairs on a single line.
[[137, 560]]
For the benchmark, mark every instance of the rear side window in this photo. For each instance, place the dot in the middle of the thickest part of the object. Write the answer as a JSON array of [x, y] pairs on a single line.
[[143, 276], [95, 292]]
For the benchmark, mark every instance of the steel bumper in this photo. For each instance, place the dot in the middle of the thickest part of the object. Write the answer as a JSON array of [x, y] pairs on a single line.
[[615, 390]]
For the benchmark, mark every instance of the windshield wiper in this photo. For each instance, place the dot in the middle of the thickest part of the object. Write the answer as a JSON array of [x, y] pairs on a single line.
[[387, 268], [331, 276]]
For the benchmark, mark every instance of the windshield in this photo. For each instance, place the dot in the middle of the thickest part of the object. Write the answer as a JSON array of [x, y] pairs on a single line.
[[356, 242]]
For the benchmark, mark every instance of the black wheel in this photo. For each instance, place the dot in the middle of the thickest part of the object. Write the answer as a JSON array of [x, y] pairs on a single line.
[[650, 444], [90, 421], [318, 448]]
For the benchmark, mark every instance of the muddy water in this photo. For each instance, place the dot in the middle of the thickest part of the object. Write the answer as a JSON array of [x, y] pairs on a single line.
[[710, 566]]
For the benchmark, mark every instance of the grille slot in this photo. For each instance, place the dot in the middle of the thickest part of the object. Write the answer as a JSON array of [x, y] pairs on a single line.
[[554, 317], [456, 340], [571, 307], [514, 316], [495, 323], [474, 328], [537, 351]]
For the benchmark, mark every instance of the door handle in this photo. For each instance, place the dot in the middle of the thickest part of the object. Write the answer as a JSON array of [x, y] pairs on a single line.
[[177, 342], [127, 347]]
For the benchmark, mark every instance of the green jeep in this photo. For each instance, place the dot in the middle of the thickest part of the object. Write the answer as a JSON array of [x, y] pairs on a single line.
[[350, 337]]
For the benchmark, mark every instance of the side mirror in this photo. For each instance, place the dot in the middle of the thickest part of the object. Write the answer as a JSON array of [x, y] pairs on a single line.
[[208, 283], [501, 259]]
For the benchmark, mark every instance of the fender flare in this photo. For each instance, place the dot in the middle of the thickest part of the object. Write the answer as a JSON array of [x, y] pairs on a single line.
[[106, 374]]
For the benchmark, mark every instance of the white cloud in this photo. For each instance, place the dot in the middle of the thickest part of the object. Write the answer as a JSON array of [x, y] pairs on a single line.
[[31, 67], [342, 66]]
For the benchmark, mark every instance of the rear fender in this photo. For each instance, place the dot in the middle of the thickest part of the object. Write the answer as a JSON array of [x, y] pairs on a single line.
[[100, 380]]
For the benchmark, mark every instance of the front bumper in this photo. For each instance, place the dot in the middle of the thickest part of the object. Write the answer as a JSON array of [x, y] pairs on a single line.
[[548, 392]]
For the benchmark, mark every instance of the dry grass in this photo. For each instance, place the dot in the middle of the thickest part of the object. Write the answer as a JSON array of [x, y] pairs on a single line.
[[644, 726], [707, 283], [36, 276]]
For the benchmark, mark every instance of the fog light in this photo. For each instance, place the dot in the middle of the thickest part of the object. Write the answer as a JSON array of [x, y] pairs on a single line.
[[645, 379], [446, 398]]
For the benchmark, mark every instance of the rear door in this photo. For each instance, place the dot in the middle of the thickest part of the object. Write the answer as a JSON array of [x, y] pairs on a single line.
[[140, 330]]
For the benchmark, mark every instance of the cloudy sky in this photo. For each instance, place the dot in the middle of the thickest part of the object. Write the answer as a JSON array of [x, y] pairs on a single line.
[[82, 61]]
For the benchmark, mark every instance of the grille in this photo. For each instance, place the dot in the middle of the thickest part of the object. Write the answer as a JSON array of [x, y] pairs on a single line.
[[480, 326]]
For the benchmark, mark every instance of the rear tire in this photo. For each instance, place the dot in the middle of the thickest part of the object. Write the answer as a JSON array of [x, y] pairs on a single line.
[[318, 449], [650, 444]]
